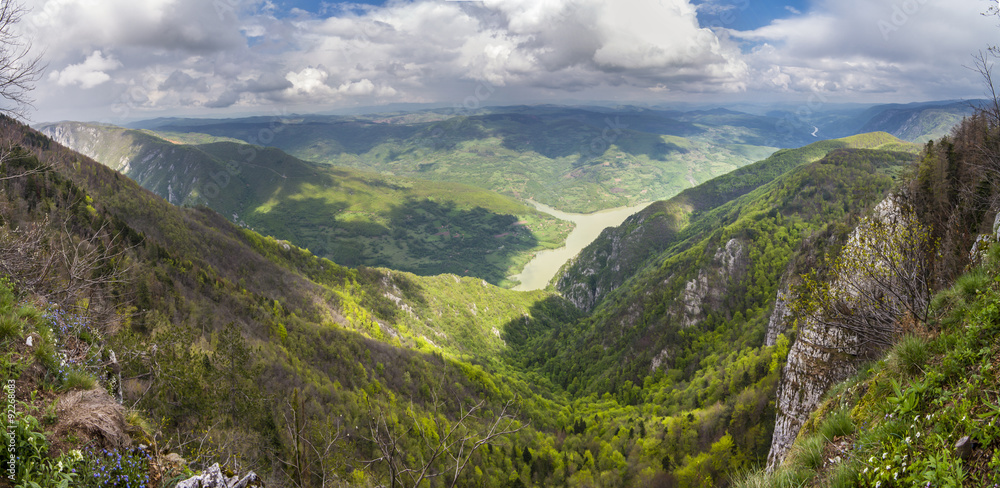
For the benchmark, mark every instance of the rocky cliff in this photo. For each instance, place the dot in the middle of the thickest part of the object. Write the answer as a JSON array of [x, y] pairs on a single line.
[[823, 353], [706, 291], [821, 356], [174, 172]]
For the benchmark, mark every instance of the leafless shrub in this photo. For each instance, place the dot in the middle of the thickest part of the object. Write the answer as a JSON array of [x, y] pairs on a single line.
[[72, 272], [445, 449], [19, 69], [881, 276]]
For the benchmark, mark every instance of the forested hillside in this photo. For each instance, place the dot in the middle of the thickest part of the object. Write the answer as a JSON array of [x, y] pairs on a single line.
[[619, 253], [216, 327], [352, 217]]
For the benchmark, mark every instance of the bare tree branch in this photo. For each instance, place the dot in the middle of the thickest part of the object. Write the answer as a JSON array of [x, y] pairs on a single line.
[[881, 275], [19, 68], [447, 450], [64, 269]]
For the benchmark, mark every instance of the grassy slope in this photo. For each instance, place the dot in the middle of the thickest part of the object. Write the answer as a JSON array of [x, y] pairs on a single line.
[[352, 217]]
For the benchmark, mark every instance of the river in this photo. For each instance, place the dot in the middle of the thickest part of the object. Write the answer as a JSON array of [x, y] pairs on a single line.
[[540, 270]]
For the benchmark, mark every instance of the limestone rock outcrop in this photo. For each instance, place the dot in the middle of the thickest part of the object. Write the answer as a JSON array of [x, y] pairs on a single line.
[[213, 477], [822, 355]]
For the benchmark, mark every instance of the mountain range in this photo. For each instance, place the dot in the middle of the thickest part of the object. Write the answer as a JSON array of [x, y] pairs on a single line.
[[673, 351]]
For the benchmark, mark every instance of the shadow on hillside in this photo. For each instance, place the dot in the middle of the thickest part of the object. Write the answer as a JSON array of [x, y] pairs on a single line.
[[441, 238], [332, 137], [420, 236], [536, 337]]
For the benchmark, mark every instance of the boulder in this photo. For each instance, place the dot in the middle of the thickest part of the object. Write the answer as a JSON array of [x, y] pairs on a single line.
[[214, 478]]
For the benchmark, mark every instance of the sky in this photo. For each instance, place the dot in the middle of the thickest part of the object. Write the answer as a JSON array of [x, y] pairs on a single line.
[[121, 60]]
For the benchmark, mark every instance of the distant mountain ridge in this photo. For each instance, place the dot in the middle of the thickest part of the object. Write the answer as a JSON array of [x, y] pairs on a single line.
[[578, 159], [913, 122]]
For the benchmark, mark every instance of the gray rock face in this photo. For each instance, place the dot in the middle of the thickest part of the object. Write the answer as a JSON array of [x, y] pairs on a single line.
[[780, 316], [820, 357], [708, 288], [213, 478], [616, 255], [606, 262]]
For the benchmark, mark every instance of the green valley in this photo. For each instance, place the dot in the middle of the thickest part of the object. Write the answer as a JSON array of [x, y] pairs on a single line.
[[499, 244], [351, 217], [662, 366]]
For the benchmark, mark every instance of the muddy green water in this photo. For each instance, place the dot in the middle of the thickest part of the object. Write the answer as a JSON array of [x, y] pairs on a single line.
[[544, 266]]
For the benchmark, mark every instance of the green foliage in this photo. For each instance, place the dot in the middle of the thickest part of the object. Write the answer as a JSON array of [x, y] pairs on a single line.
[[78, 380], [808, 453], [880, 276], [844, 475], [836, 425], [11, 316], [909, 356], [10, 327], [34, 467], [785, 478]]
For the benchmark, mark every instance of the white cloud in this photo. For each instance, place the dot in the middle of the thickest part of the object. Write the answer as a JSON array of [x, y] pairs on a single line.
[[309, 81], [88, 74], [363, 87], [184, 54], [840, 47]]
